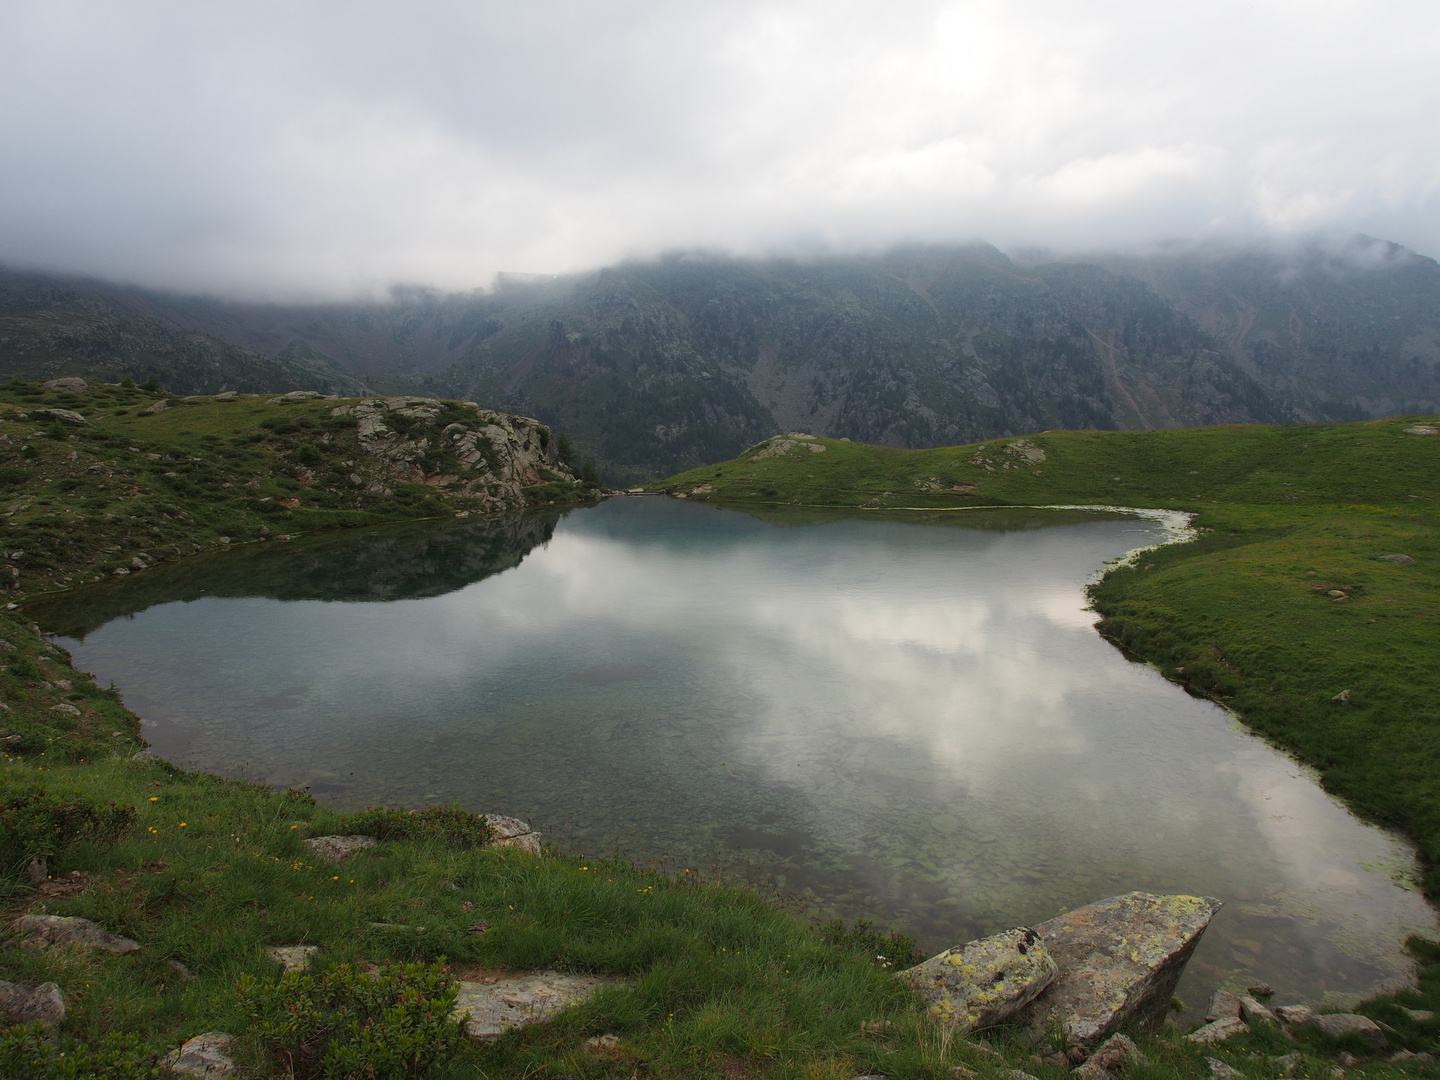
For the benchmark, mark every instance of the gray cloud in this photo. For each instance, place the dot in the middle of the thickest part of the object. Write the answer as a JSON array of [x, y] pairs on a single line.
[[327, 148]]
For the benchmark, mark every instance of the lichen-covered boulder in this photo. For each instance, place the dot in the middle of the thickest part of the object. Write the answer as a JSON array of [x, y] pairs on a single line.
[[43, 1004], [1119, 959], [204, 1055], [513, 833], [983, 982]]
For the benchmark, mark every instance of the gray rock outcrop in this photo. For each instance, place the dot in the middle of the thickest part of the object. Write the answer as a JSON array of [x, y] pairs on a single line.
[[1339, 1025], [513, 833], [68, 384], [493, 1007], [1114, 1057], [1219, 1030], [69, 416], [338, 848], [43, 1004], [59, 929], [1118, 960], [204, 1055], [981, 983]]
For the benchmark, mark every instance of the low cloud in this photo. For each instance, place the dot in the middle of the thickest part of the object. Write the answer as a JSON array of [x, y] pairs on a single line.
[[329, 149]]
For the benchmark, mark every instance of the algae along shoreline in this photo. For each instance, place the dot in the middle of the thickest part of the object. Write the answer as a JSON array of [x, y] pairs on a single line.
[[1280, 605]]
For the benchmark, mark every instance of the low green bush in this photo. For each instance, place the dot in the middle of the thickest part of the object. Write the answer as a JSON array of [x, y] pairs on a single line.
[[346, 1023], [36, 822], [454, 826], [28, 1052]]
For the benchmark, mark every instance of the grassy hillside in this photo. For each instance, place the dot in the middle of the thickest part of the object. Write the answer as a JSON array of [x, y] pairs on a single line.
[[149, 477], [1282, 604]]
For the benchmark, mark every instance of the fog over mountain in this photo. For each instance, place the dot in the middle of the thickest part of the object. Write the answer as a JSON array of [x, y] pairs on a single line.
[[324, 151]]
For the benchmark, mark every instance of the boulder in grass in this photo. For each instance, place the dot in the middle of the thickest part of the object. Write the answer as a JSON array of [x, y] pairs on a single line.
[[60, 929], [513, 833], [204, 1055], [1119, 960], [1115, 1056], [338, 848], [1338, 1025], [68, 384], [981, 983], [43, 1004], [1218, 1031]]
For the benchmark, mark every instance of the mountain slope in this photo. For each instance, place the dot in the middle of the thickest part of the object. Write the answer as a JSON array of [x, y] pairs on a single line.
[[53, 326]]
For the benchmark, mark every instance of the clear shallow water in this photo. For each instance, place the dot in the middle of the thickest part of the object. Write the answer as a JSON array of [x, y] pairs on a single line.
[[906, 722]]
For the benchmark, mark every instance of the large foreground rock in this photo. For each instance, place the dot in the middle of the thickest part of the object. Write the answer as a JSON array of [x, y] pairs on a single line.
[[492, 1007], [981, 983], [43, 1004], [1338, 1025], [58, 929], [1119, 960]]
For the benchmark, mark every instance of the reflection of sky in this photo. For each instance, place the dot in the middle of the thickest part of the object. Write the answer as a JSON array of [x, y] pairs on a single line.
[[933, 694]]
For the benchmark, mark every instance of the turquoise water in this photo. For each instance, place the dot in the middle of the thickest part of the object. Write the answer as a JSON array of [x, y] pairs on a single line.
[[913, 722]]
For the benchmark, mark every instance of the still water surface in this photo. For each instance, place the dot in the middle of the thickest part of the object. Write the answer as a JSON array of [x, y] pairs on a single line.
[[909, 722]]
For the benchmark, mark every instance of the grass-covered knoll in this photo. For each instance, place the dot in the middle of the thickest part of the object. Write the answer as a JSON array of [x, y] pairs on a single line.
[[708, 981], [150, 477], [1282, 603]]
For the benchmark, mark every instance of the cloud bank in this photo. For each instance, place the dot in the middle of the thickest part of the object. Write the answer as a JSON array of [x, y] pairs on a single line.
[[329, 148]]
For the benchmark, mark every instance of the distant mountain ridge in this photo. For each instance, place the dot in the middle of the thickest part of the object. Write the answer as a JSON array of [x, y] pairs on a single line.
[[662, 365]]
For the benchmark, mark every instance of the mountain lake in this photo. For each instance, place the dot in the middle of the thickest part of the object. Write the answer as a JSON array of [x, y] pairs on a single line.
[[908, 721]]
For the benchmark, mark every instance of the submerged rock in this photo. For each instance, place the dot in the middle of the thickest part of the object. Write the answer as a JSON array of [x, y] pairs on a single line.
[[492, 1008], [1118, 960], [204, 1055], [58, 929], [43, 1004], [981, 983]]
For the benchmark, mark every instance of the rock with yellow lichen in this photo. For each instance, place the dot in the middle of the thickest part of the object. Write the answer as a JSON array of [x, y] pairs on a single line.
[[1119, 961], [983, 982]]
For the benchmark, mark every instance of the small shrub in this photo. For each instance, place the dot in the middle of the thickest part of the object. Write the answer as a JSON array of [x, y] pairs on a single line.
[[57, 430], [35, 821], [27, 1052], [14, 475], [345, 1023], [152, 383], [307, 454], [565, 448], [451, 824]]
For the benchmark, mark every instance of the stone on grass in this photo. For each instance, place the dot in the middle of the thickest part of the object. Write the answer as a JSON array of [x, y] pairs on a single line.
[[1421, 429], [1218, 1031], [1289, 1063], [1223, 1003], [292, 957], [981, 983], [603, 1045], [495, 1006], [338, 848], [68, 384], [226, 395], [1295, 1014], [1220, 1071], [1338, 1025], [1422, 1016], [513, 833], [66, 708], [43, 1004], [1252, 1012], [204, 1055], [1116, 1055], [1119, 960], [68, 416], [1400, 560], [58, 929]]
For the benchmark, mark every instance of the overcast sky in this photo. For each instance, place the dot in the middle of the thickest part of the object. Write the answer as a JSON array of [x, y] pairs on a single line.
[[273, 149]]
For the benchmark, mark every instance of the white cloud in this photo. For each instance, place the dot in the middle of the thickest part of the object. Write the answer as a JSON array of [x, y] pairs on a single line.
[[328, 147]]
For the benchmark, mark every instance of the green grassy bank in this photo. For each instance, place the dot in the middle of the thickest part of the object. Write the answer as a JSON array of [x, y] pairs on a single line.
[[1281, 604]]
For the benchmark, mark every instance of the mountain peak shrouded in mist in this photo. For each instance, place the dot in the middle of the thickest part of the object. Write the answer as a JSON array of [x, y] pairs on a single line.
[[281, 152], [658, 365]]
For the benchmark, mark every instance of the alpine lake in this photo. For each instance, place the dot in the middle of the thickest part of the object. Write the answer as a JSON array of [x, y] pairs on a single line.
[[911, 721]]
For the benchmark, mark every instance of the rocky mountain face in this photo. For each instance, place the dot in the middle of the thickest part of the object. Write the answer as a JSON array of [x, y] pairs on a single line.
[[51, 326], [658, 366]]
